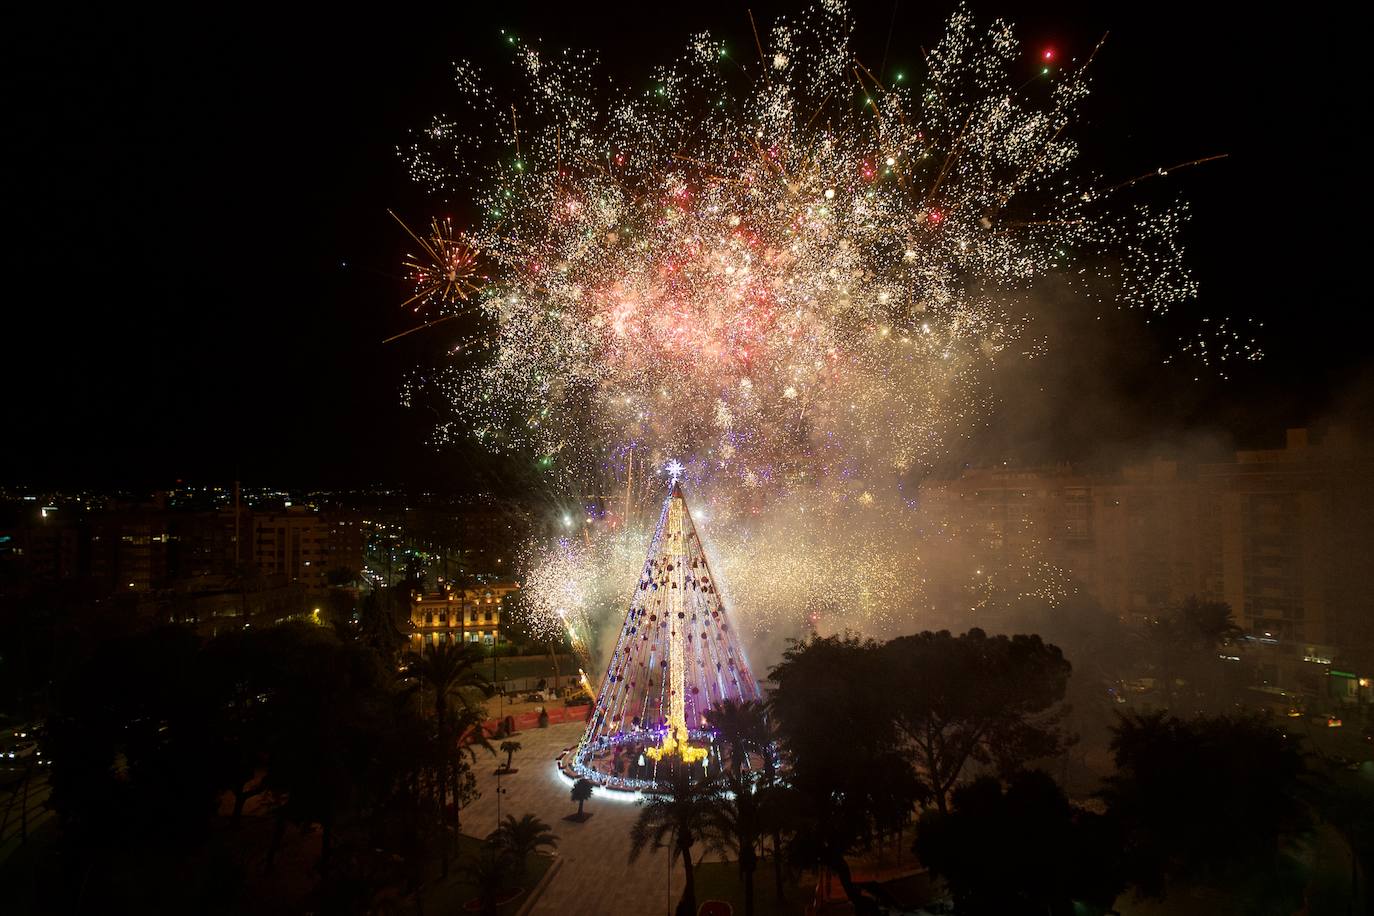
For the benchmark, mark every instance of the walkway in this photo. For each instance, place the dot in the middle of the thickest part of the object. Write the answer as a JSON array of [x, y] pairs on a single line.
[[596, 878]]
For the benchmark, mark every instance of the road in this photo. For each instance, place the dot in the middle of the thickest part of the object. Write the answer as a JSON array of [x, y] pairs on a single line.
[[17, 800]]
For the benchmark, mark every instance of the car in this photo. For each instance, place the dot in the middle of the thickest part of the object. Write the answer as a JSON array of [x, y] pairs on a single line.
[[22, 750], [28, 731], [580, 699]]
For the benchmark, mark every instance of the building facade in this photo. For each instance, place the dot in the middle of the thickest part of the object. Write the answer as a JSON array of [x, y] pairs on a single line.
[[455, 614], [306, 546], [1282, 536]]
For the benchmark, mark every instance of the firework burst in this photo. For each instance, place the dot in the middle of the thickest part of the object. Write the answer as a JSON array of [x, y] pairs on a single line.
[[444, 273], [791, 273]]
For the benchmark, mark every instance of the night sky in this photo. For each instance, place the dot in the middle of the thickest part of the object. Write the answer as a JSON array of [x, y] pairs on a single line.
[[201, 268]]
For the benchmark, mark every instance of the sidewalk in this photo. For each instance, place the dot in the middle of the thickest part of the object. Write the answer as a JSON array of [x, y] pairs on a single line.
[[596, 878]]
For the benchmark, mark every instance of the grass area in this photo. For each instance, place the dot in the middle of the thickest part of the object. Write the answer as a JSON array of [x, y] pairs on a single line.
[[519, 667], [21, 870], [452, 894], [721, 881]]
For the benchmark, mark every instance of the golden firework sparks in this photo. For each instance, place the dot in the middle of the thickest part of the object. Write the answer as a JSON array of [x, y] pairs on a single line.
[[444, 273]]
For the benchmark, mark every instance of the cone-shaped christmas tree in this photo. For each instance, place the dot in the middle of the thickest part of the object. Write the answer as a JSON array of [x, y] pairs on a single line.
[[677, 656]]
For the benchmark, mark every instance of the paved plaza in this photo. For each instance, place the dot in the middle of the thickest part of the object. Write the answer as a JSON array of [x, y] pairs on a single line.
[[595, 878]]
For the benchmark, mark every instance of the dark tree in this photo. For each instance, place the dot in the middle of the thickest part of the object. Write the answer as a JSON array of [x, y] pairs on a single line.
[[734, 828], [1183, 645], [777, 810], [677, 816], [1022, 850], [340, 576], [130, 740], [509, 748], [452, 671], [377, 616], [155, 727], [581, 791], [742, 727], [989, 700], [328, 713], [490, 870], [238, 672], [1209, 801], [832, 710], [521, 838], [340, 604]]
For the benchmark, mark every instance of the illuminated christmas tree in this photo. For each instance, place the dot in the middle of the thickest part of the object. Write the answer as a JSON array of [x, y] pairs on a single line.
[[677, 656]]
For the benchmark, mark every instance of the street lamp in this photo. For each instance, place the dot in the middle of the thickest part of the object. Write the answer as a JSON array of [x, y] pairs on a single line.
[[499, 792]]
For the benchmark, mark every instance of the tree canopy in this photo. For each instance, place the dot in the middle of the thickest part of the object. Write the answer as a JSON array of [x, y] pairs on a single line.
[[1209, 800], [989, 700], [1022, 849], [832, 710]]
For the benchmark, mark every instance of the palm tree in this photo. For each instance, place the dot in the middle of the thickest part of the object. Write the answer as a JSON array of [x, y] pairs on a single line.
[[521, 838], [465, 728], [734, 825], [490, 873], [444, 755], [581, 791], [377, 627], [777, 810], [1185, 640], [451, 670], [742, 727], [510, 747], [1208, 623], [677, 817], [463, 734], [745, 726]]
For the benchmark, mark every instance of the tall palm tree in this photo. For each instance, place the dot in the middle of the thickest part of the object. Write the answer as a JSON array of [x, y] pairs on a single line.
[[510, 747], [459, 740], [733, 828], [1185, 639], [452, 670], [677, 816], [522, 837], [742, 727], [489, 871], [377, 626], [1208, 623], [777, 810]]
